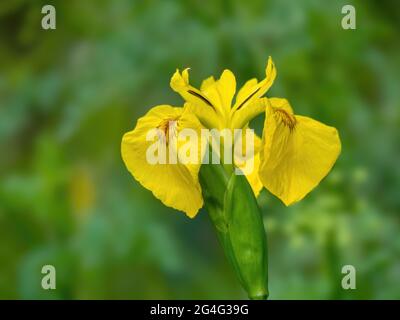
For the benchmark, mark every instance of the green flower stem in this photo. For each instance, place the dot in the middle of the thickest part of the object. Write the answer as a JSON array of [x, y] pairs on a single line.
[[237, 219]]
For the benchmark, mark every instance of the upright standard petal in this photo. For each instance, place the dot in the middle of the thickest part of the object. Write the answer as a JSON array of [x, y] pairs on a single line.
[[145, 151], [297, 152], [221, 92]]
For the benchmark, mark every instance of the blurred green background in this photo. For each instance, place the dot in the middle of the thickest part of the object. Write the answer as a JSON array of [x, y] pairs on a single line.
[[68, 95]]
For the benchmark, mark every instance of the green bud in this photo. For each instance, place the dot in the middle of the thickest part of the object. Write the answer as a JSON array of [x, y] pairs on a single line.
[[235, 214]]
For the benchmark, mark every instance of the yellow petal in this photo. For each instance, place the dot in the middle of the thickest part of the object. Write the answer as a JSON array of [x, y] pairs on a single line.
[[173, 184], [206, 83], [246, 90], [191, 148], [180, 84], [207, 117], [253, 177], [297, 152], [221, 92], [253, 90], [242, 116], [215, 96], [201, 105]]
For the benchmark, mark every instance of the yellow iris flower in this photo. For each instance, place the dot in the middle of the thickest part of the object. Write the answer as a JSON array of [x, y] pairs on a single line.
[[293, 156]]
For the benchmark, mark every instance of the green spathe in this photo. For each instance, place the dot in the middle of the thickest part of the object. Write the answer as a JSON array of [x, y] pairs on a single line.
[[235, 214]]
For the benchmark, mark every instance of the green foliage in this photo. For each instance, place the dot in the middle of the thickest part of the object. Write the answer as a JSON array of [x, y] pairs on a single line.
[[68, 95]]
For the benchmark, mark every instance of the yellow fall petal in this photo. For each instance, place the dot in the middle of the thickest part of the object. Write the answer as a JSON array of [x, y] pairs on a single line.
[[185, 145], [174, 184], [297, 152]]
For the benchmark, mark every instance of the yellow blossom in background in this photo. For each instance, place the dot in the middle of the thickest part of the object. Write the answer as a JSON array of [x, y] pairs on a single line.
[[82, 191]]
